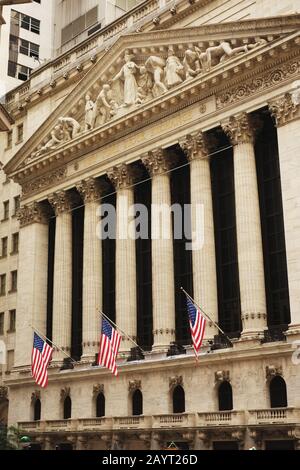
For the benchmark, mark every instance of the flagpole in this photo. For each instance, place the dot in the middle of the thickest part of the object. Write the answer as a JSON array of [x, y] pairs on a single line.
[[55, 345], [123, 332], [207, 316]]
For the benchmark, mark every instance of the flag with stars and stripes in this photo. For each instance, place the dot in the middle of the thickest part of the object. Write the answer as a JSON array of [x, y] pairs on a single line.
[[197, 325], [109, 347], [40, 359]]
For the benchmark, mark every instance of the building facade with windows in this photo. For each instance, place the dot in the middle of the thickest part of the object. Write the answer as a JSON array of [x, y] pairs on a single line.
[[26, 40], [194, 103]]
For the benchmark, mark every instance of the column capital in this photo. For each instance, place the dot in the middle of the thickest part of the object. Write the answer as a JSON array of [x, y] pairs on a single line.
[[122, 176], [195, 146], [285, 108], [61, 202], [157, 162], [90, 189], [241, 128], [33, 213]]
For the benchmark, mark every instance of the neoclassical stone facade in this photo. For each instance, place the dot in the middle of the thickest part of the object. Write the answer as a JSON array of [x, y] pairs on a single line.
[[200, 130]]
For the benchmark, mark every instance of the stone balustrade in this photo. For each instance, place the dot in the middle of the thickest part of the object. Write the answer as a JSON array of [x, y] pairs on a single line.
[[168, 421]]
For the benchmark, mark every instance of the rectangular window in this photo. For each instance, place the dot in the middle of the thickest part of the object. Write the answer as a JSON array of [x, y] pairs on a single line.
[[30, 23], [21, 72], [1, 323], [222, 175], [2, 284], [15, 243], [9, 140], [14, 281], [17, 204], [4, 247], [20, 133], [12, 321], [10, 360], [5, 210], [29, 48]]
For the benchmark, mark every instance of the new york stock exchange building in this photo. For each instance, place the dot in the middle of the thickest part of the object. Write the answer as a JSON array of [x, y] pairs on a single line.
[[193, 103]]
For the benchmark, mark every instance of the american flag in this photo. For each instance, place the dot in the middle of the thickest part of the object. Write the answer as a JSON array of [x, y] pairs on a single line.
[[40, 358], [109, 347], [197, 324]]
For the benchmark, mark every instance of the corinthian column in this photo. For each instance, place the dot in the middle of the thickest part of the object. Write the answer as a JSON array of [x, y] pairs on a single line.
[[163, 296], [196, 148], [286, 110], [126, 309], [241, 133], [92, 268], [62, 286], [32, 282]]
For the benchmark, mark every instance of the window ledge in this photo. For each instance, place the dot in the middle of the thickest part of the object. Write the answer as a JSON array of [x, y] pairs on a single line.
[[13, 291]]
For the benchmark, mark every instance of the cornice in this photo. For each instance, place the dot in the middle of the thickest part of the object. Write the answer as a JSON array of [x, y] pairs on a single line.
[[237, 71]]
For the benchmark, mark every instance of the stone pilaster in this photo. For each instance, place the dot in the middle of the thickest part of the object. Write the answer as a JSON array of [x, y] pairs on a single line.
[[62, 286], [32, 279], [241, 132], [158, 164], [92, 268], [122, 178], [286, 111], [196, 148]]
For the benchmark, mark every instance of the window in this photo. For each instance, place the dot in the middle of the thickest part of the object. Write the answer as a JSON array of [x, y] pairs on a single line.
[[20, 132], [3, 284], [15, 243], [12, 321], [100, 405], [5, 210], [137, 403], [272, 223], [278, 395], [21, 72], [67, 408], [178, 400], [79, 25], [225, 396], [9, 140], [37, 410], [17, 204], [14, 281], [30, 23], [29, 48], [2, 323], [4, 247], [229, 306]]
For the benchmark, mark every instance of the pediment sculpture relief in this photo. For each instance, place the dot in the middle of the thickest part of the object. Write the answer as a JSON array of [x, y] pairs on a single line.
[[138, 82]]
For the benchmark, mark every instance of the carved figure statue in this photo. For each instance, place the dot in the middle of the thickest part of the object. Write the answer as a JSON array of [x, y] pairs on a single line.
[[127, 74], [89, 113], [258, 42], [145, 84], [222, 52], [173, 69], [191, 62], [56, 138], [104, 106], [155, 65], [71, 128]]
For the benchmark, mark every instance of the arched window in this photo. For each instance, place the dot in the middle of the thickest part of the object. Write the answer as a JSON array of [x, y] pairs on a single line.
[[178, 400], [67, 408], [225, 396], [137, 403], [37, 410], [100, 405], [278, 395]]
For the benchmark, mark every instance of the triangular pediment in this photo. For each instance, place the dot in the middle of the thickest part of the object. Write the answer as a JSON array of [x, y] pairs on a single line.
[[144, 68]]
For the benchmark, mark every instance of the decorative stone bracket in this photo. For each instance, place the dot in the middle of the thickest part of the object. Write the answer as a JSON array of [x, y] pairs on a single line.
[[272, 371], [222, 376], [134, 385], [175, 381]]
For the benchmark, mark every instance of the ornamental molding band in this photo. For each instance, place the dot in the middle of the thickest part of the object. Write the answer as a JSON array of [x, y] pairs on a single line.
[[144, 77], [44, 181]]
